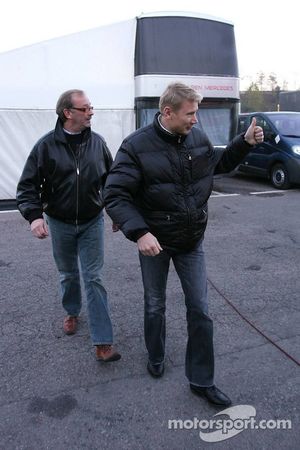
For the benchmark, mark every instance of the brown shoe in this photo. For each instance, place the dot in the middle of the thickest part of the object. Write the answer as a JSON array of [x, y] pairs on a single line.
[[70, 324], [106, 353]]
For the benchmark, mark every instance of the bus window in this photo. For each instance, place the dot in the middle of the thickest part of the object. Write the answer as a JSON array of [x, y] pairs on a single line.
[[216, 123], [146, 116]]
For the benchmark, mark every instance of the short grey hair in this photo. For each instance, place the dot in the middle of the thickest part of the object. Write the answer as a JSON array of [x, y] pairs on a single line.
[[176, 93], [65, 102]]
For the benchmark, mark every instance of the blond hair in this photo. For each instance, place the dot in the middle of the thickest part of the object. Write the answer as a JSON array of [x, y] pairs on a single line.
[[175, 94]]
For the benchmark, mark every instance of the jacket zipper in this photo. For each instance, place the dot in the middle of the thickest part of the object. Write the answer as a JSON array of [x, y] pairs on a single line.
[[191, 165], [77, 180], [183, 178]]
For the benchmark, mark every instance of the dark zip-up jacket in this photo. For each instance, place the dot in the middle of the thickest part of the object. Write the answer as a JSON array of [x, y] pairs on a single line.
[[66, 186], [161, 183]]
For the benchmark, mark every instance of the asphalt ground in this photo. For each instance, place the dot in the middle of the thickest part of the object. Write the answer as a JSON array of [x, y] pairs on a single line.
[[55, 395]]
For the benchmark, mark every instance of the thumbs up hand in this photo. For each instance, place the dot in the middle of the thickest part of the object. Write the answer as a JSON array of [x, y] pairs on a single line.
[[254, 135]]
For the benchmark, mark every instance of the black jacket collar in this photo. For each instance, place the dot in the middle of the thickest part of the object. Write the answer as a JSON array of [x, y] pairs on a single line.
[[168, 137], [60, 135]]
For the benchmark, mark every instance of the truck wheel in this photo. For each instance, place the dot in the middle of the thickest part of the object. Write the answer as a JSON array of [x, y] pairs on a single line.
[[280, 177]]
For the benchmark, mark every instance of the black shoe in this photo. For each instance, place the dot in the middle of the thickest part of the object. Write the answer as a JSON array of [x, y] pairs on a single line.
[[156, 370], [212, 394]]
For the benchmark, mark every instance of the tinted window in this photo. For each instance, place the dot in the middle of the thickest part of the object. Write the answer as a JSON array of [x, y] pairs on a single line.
[[146, 116], [261, 122], [185, 45], [286, 124], [243, 124], [216, 123]]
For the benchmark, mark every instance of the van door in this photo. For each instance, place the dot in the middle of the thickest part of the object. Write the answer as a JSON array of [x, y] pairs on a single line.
[[259, 159]]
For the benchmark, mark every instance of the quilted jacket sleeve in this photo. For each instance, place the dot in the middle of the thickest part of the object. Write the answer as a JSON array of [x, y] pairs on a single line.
[[121, 188], [232, 155], [29, 189]]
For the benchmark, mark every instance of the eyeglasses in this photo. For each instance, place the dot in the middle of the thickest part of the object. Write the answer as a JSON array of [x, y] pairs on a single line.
[[84, 109]]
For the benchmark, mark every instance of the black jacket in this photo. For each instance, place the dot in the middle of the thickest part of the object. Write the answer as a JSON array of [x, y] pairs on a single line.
[[64, 185], [161, 183]]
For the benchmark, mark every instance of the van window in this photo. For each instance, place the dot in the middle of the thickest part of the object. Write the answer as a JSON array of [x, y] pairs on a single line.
[[261, 122], [287, 124], [243, 124]]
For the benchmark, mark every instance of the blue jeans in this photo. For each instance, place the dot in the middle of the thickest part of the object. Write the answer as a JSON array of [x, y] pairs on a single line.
[[190, 267], [86, 242]]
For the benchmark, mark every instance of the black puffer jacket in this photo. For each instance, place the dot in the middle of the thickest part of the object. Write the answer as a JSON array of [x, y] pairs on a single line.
[[161, 183], [65, 187]]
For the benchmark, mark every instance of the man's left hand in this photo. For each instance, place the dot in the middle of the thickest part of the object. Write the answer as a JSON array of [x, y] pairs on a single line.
[[254, 135]]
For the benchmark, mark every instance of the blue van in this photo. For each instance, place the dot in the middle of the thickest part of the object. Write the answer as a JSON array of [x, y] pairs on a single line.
[[278, 157]]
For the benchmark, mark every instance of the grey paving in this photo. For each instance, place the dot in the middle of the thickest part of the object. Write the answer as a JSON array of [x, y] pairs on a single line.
[[55, 395]]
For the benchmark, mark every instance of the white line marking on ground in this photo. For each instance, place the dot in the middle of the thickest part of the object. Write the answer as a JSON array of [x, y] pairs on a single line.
[[278, 191], [220, 194], [9, 210], [266, 192]]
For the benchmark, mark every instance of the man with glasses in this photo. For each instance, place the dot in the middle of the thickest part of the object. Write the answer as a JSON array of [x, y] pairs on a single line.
[[63, 179]]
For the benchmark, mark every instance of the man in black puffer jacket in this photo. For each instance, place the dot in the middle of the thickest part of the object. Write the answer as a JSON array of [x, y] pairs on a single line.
[[157, 193], [64, 177]]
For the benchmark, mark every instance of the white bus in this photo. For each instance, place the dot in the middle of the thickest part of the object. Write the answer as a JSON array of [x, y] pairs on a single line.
[[197, 50], [124, 68]]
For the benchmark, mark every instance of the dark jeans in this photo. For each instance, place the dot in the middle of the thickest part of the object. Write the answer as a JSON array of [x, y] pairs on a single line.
[[190, 267]]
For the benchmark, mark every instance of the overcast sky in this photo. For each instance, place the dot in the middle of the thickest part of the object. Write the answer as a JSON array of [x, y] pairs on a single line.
[[267, 32]]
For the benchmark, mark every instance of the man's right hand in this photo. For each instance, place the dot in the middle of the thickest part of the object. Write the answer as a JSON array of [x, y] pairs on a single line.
[[39, 228], [148, 245]]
